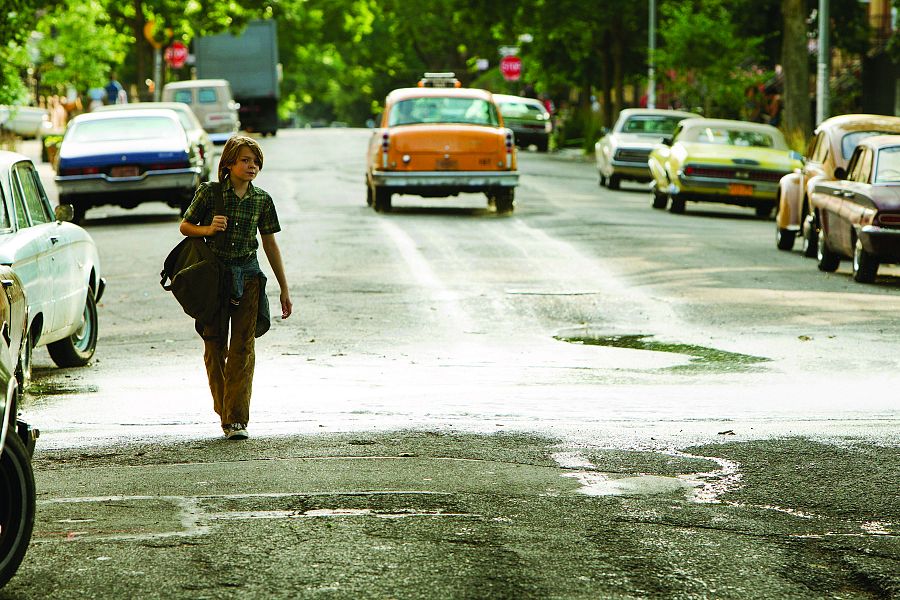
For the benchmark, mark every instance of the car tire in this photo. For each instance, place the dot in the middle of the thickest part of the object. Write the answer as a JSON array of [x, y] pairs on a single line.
[[677, 206], [17, 504], [77, 349], [543, 146], [614, 182], [660, 200], [865, 265], [828, 260], [784, 238], [381, 199], [80, 212], [504, 200], [764, 212], [810, 237]]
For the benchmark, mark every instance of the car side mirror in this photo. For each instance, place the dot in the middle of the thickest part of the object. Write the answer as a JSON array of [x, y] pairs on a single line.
[[64, 212], [604, 131], [840, 173], [667, 141]]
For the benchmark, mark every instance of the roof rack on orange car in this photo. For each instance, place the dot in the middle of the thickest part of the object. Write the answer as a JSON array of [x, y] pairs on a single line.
[[439, 80]]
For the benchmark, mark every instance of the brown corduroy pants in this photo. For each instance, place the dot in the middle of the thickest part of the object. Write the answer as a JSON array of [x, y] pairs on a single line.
[[230, 364]]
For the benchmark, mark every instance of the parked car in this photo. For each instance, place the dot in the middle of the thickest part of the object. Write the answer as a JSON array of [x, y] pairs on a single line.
[[126, 158], [17, 489], [830, 147], [25, 121], [212, 102], [528, 119], [720, 160], [198, 136], [857, 216], [622, 153], [58, 265], [439, 140]]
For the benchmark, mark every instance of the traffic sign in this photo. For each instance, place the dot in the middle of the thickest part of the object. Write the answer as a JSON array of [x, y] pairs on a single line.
[[176, 55], [511, 67]]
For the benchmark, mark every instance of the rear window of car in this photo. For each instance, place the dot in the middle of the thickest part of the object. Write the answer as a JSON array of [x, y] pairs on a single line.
[[471, 111], [207, 96], [124, 128], [850, 141], [732, 137], [888, 169], [651, 124], [183, 96], [519, 110]]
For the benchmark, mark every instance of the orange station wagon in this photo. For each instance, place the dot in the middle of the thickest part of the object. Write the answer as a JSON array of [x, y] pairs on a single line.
[[438, 140]]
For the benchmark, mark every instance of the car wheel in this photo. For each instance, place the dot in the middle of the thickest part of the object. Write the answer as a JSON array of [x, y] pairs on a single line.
[[614, 182], [504, 201], [77, 349], [660, 200], [381, 199], [828, 260], [764, 212], [369, 199], [80, 211], [23, 367], [784, 238], [677, 206], [810, 237], [17, 504], [865, 265]]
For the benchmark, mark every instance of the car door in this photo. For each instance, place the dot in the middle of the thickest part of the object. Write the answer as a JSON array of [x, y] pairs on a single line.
[[841, 230], [66, 290]]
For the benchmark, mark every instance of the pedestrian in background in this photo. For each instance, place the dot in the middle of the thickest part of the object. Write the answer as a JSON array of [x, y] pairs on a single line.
[[248, 209], [115, 93]]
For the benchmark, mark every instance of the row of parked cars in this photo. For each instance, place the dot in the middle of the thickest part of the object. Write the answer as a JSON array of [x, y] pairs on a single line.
[[842, 197]]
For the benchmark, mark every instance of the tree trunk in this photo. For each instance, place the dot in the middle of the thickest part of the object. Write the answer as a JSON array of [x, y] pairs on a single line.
[[606, 83], [795, 61], [618, 70]]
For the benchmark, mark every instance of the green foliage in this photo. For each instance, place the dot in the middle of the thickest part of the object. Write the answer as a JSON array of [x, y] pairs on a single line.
[[704, 62]]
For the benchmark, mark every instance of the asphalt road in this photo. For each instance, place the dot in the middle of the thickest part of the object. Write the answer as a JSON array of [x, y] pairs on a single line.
[[587, 398]]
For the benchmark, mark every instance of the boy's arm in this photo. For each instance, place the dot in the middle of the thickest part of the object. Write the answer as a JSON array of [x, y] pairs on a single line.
[[189, 229], [273, 253]]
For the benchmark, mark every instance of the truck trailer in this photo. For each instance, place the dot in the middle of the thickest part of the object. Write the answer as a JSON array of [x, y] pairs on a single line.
[[249, 62]]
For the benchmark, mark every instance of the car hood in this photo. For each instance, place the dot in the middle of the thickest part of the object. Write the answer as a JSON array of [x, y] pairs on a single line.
[[457, 139], [745, 156], [122, 150]]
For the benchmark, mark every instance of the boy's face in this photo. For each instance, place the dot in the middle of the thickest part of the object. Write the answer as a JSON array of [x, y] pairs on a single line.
[[246, 167]]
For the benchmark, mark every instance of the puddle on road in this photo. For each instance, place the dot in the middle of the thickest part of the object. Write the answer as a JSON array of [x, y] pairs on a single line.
[[702, 358], [59, 388]]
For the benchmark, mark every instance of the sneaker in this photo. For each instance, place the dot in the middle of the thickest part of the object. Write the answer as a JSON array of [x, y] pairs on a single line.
[[235, 431]]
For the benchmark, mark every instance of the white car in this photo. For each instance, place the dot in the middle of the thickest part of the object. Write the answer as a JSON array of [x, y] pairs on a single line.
[[26, 121], [58, 265]]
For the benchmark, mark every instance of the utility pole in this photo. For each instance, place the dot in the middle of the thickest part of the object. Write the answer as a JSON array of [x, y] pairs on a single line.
[[651, 51], [823, 67]]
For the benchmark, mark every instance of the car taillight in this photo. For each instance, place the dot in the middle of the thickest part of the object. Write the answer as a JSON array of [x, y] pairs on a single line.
[[165, 166], [888, 219], [385, 147], [510, 146], [79, 170], [689, 171]]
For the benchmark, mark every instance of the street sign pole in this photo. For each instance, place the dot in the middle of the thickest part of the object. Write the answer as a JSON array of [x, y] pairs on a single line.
[[651, 50], [823, 66]]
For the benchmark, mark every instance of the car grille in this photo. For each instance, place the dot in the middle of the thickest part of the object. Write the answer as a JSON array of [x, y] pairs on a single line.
[[632, 155], [733, 173]]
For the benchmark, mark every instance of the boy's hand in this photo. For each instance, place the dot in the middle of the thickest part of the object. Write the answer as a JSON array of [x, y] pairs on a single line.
[[219, 223], [286, 305]]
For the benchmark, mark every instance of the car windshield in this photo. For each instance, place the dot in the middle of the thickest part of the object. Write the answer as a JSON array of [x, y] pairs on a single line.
[[435, 109], [522, 110], [888, 170], [661, 125], [124, 128], [850, 141], [732, 137]]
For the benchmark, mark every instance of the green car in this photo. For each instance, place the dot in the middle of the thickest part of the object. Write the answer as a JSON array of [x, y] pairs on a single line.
[[723, 161], [528, 119]]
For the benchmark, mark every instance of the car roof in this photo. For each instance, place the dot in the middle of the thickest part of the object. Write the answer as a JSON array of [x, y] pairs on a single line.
[[860, 122], [8, 158], [197, 83], [112, 114], [429, 92], [629, 112], [142, 105]]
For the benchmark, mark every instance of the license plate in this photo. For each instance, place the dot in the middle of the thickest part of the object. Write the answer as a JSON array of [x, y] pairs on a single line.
[[740, 189], [125, 171], [445, 164]]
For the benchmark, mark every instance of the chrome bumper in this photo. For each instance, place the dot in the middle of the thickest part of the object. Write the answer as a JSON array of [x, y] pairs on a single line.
[[881, 242], [446, 179], [151, 180]]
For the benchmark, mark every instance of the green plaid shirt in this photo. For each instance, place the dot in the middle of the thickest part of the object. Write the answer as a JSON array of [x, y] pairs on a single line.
[[245, 215]]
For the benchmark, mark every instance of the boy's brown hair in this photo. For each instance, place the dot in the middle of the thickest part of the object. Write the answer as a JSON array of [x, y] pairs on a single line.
[[231, 151]]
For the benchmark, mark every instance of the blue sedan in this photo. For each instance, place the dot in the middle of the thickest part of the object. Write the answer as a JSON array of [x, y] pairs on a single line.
[[128, 158]]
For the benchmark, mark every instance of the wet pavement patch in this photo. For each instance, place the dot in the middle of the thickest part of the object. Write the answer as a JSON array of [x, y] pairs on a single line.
[[702, 358], [48, 388]]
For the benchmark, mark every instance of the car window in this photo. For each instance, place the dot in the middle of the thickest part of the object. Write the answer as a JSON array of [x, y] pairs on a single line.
[[662, 125], [820, 150], [853, 166], [4, 214], [207, 96], [733, 137], [864, 167], [888, 169], [21, 213], [521, 109], [123, 128], [473, 111], [183, 96], [35, 200], [852, 140]]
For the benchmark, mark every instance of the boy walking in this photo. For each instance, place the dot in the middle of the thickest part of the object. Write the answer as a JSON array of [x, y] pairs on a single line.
[[248, 209]]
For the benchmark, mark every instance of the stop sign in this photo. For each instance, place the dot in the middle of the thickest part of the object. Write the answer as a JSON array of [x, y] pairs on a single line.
[[511, 67], [176, 55]]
